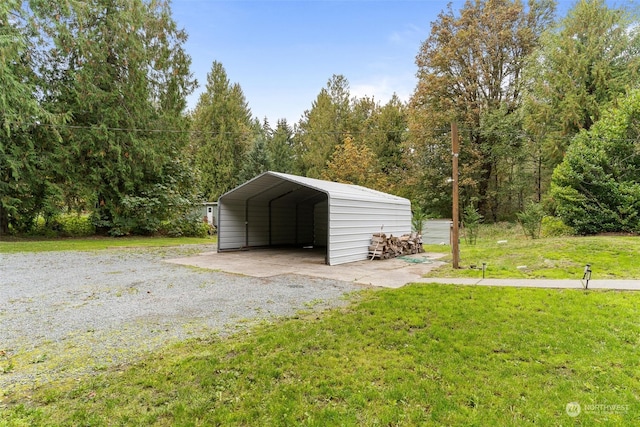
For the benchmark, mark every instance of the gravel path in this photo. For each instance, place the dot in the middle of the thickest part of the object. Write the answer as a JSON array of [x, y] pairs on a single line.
[[67, 314]]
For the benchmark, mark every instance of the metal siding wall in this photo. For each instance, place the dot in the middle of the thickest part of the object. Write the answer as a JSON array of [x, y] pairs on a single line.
[[352, 224], [437, 231], [321, 223], [283, 217], [304, 224], [231, 231], [258, 223]]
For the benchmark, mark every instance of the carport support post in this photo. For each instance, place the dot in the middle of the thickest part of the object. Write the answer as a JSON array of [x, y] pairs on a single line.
[[455, 239]]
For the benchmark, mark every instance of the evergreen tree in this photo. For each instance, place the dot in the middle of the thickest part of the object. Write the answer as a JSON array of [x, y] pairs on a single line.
[[589, 59], [256, 161], [387, 140], [120, 68], [222, 134], [322, 127], [26, 136], [597, 185], [280, 148]]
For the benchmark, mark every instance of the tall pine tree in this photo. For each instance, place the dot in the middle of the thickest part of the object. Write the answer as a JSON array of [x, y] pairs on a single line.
[[222, 133], [280, 148], [588, 60], [27, 138], [120, 68], [323, 127]]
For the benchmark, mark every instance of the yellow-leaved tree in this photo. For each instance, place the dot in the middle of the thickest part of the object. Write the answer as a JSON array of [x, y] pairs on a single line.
[[354, 163]]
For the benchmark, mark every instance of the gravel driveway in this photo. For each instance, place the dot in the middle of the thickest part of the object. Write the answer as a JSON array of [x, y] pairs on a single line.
[[66, 314]]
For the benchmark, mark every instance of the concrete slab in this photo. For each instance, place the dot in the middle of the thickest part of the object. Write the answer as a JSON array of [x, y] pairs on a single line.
[[390, 273]]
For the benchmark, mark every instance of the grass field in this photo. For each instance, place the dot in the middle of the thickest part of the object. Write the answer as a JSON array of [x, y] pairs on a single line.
[[508, 254], [97, 243], [420, 355]]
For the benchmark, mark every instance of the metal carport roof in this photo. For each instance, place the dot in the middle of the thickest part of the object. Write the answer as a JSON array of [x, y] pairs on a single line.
[[276, 208]]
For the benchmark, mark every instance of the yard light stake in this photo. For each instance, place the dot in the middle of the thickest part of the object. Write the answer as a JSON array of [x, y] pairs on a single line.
[[586, 276]]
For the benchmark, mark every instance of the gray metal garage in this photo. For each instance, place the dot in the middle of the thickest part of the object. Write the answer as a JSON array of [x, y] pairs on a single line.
[[278, 209]]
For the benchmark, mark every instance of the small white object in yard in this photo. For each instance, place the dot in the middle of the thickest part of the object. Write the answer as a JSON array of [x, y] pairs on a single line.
[[500, 242], [521, 267]]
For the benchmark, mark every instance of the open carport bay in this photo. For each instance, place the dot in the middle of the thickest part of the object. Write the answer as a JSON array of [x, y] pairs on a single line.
[[276, 209]]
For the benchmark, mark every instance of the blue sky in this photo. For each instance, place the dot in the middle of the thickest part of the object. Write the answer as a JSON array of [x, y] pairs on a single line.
[[282, 53]]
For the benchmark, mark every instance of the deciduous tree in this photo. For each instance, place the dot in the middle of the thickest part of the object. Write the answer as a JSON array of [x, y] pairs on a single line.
[[470, 66], [354, 163]]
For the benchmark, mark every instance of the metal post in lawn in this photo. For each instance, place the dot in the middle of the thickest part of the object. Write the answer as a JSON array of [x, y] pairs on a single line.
[[586, 276], [455, 239]]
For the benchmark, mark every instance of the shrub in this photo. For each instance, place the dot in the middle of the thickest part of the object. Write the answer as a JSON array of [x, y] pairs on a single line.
[[471, 220], [63, 225], [75, 225], [597, 186], [189, 225], [42, 228], [417, 220], [554, 227], [531, 219]]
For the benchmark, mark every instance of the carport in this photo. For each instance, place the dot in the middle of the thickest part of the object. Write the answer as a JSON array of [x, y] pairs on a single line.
[[276, 209]]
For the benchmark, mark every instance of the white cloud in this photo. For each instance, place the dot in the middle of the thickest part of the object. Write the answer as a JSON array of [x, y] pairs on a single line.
[[408, 36], [382, 88]]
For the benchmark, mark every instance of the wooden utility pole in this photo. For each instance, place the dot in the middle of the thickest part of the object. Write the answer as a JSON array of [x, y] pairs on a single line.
[[455, 231]]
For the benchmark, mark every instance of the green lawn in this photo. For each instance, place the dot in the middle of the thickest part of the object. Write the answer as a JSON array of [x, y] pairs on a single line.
[[97, 243], [513, 256], [420, 355]]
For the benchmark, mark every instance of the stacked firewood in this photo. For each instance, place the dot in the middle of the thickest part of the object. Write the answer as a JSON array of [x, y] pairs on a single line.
[[383, 247]]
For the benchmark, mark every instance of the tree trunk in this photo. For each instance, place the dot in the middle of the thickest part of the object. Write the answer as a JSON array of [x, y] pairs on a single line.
[[539, 180], [4, 222], [484, 204]]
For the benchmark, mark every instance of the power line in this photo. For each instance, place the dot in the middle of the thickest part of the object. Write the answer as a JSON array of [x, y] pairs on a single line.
[[195, 131], [433, 133]]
